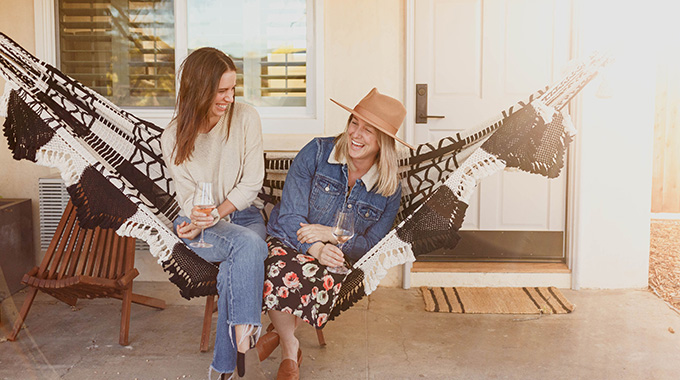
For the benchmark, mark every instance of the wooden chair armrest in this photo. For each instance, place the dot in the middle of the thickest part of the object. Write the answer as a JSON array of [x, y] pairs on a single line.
[[127, 278]]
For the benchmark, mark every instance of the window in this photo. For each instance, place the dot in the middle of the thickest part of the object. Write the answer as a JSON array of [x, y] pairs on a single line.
[[123, 49], [130, 52], [271, 54]]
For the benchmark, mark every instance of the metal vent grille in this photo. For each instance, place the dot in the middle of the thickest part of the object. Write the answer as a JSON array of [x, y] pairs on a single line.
[[53, 201]]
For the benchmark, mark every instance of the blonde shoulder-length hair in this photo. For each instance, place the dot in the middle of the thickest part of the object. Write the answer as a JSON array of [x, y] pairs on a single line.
[[388, 179]]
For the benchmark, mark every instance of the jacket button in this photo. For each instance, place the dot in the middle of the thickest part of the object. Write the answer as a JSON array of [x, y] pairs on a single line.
[[327, 188], [349, 206]]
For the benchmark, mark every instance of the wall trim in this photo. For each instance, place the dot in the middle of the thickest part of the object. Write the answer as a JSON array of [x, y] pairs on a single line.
[[45, 31], [409, 100]]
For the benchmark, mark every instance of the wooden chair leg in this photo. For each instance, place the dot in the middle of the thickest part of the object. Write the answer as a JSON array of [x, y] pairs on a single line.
[[22, 314], [125, 316], [207, 322], [156, 303], [320, 337]]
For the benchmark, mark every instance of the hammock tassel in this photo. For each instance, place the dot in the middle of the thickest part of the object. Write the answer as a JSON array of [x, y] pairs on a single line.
[[4, 99]]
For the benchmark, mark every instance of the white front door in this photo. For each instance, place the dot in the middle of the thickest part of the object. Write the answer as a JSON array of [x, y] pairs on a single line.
[[477, 58]]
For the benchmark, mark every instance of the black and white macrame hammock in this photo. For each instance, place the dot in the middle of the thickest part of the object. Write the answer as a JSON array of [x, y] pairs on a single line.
[[112, 164]]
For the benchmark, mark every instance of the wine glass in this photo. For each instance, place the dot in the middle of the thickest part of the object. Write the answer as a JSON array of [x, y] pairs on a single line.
[[203, 199], [343, 230]]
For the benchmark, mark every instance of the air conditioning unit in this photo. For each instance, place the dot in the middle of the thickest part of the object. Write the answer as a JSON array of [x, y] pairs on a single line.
[[53, 201]]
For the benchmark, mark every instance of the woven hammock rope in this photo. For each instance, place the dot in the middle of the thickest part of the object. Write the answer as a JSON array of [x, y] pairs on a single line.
[[112, 164]]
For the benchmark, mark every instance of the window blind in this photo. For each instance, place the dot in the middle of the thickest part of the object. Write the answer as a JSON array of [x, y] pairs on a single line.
[[123, 49]]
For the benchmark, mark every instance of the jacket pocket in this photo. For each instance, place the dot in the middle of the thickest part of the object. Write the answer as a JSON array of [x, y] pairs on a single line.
[[325, 193], [368, 215]]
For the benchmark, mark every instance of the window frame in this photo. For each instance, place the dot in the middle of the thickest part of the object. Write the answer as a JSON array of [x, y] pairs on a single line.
[[296, 120]]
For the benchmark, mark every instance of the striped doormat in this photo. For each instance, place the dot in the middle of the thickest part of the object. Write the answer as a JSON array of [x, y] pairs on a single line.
[[496, 300]]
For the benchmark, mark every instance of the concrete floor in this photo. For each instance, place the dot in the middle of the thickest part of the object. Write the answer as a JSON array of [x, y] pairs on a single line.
[[611, 335]]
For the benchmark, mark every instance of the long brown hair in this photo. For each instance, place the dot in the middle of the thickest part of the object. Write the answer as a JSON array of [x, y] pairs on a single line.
[[200, 72], [388, 179]]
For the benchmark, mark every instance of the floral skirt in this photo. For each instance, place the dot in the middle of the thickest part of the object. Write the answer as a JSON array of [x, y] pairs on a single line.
[[298, 284]]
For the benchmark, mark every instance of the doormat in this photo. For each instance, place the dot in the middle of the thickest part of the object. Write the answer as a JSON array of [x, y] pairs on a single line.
[[496, 300]]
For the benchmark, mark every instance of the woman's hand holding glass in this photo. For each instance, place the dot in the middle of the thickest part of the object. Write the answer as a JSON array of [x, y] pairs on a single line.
[[327, 254], [202, 212], [343, 230], [310, 233], [203, 218]]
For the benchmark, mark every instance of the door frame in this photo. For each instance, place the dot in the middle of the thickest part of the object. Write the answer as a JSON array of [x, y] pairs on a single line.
[[572, 163]]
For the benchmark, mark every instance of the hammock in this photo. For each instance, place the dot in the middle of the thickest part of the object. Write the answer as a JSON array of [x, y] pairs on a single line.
[[112, 164]]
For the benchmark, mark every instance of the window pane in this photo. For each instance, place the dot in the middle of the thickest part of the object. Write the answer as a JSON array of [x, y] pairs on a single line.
[[123, 49], [267, 39]]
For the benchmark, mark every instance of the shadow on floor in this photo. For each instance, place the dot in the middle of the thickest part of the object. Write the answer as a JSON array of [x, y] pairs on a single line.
[[615, 334]]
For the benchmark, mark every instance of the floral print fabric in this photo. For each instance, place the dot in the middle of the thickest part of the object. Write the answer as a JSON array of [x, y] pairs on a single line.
[[298, 284]]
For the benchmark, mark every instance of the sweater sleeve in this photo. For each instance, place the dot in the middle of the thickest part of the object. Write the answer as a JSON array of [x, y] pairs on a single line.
[[183, 182], [246, 190]]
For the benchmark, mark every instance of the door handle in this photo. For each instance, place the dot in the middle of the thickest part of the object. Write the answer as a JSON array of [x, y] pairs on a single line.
[[421, 105]]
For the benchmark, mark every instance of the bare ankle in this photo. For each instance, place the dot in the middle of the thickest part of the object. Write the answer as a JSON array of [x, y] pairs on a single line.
[[290, 348]]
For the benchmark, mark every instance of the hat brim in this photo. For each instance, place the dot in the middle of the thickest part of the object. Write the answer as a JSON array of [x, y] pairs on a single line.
[[353, 112]]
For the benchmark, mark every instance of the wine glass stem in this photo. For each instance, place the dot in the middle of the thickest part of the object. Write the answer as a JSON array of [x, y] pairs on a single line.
[[202, 229]]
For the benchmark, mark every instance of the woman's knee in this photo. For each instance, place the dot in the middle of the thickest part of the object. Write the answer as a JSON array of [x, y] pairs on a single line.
[[250, 242]]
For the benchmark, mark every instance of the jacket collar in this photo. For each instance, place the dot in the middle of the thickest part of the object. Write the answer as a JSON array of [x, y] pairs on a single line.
[[370, 179]]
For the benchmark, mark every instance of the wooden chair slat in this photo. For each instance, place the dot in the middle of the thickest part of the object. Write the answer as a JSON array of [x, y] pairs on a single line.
[[95, 262], [110, 264], [61, 267], [55, 239], [55, 256], [87, 263], [80, 255]]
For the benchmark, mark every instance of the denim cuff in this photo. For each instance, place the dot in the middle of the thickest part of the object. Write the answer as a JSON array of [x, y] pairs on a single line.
[[303, 247]]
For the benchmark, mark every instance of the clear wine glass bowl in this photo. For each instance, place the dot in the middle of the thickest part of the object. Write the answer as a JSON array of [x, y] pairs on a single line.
[[203, 200], [343, 230]]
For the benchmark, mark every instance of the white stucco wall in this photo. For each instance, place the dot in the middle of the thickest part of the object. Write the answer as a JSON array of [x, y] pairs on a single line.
[[614, 156], [19, 179]]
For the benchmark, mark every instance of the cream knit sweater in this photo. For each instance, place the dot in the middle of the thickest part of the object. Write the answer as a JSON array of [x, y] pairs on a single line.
[[235, 166]]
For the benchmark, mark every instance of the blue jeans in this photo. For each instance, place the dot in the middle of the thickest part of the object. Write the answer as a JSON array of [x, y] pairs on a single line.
[[240, 250]]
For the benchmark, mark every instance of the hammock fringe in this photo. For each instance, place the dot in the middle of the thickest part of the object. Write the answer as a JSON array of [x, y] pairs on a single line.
[[4, 99], [195, 284]]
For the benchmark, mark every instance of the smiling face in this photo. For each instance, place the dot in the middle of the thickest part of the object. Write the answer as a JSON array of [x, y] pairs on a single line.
[[223, 97], [362, 141]]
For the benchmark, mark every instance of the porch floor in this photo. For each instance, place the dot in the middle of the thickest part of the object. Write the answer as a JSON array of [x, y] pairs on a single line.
[[612, 334]]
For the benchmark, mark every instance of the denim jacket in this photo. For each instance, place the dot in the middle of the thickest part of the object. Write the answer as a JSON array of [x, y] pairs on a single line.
[[316, 189]]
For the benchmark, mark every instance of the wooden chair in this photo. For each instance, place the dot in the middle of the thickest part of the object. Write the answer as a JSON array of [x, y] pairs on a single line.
[[86, 263]]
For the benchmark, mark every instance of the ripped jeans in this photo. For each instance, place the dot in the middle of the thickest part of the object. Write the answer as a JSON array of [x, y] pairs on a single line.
[[240, 250]]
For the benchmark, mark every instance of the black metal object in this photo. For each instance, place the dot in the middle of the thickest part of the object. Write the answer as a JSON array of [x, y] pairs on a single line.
[[17, 255], [503, 246], [421, 105]]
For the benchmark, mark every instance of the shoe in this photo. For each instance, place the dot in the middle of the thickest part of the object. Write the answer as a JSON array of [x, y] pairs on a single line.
[[288, 370], [266, 344], [240, 363], [252, 367], [241, 356]]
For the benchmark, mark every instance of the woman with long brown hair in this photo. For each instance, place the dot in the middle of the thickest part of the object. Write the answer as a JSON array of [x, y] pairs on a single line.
[[213, 139]]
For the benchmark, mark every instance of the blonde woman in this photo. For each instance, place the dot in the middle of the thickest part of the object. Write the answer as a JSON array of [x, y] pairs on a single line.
[[354, 172]]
